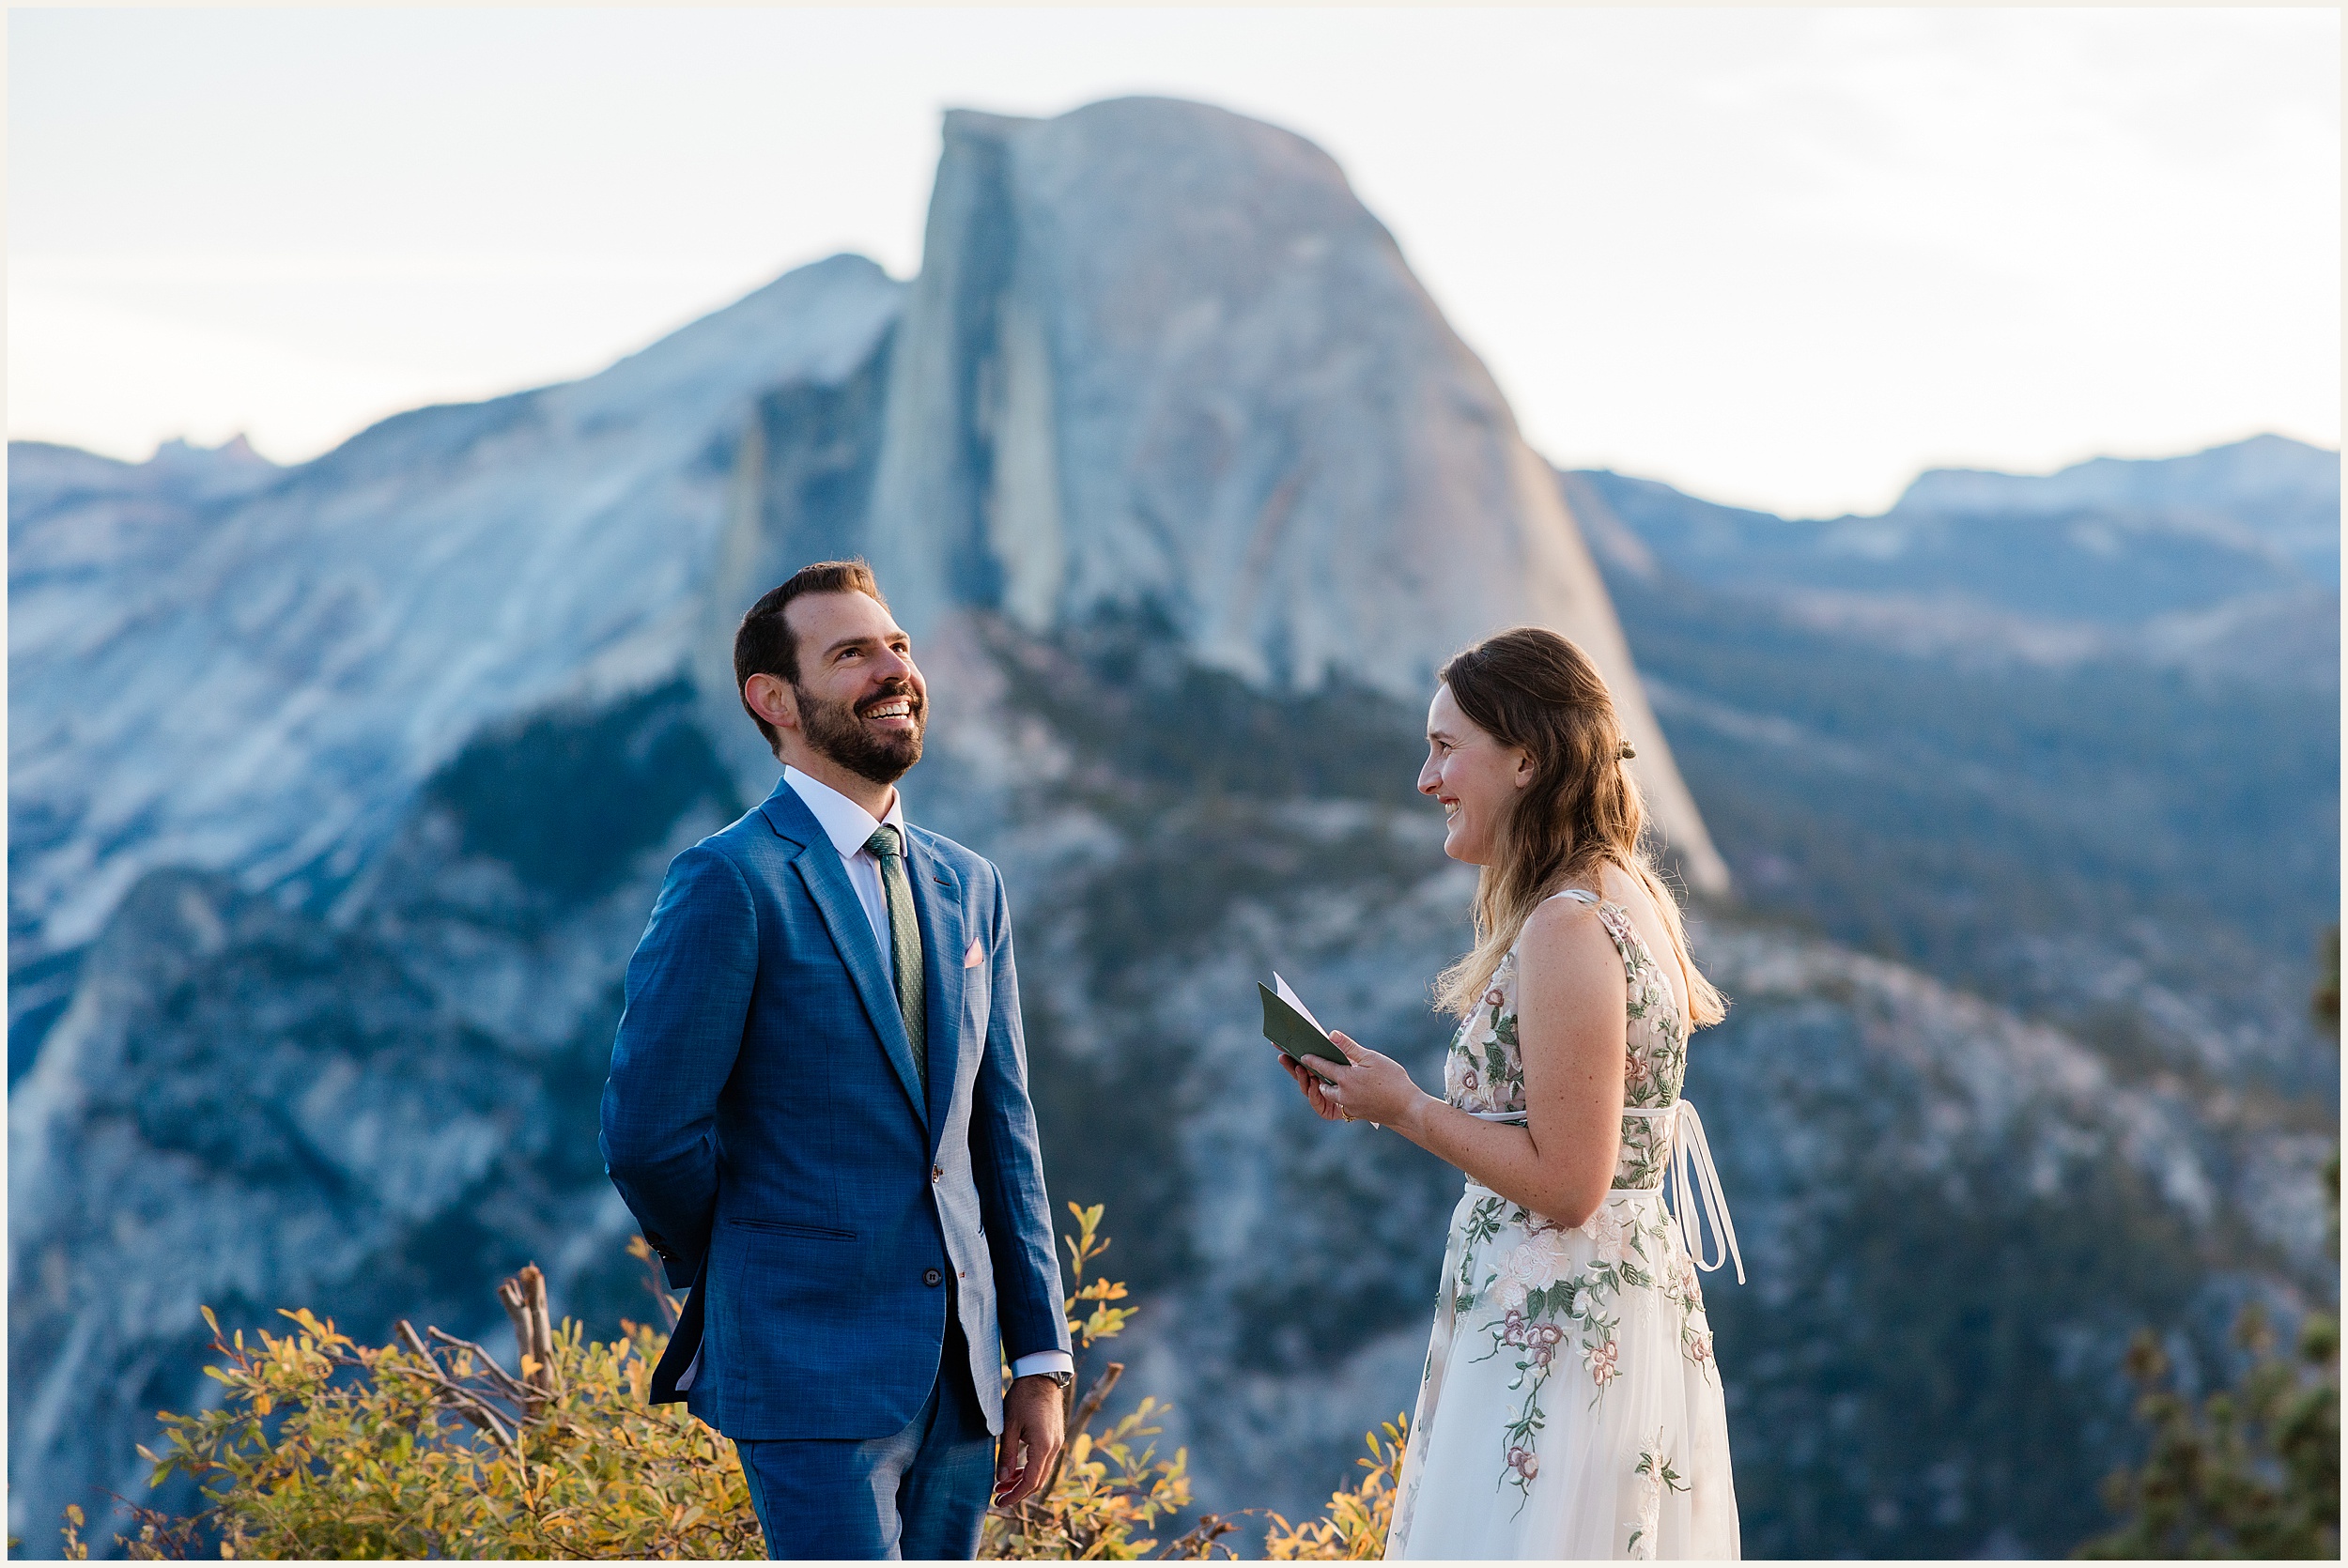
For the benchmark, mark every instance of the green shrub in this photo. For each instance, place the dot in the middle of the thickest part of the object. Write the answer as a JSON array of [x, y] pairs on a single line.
[[2252, 1471]]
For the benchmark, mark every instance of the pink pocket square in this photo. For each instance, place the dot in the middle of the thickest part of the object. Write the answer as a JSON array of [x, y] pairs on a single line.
[[975, 956]]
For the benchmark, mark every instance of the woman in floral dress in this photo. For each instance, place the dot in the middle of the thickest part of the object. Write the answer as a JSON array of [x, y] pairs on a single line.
[[1572, 1406]]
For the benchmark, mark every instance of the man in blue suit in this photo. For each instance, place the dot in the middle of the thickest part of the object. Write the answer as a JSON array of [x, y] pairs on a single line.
[[818, 1112]]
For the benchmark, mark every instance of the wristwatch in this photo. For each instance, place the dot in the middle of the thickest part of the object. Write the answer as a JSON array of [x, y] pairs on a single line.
[[1066, 1380]]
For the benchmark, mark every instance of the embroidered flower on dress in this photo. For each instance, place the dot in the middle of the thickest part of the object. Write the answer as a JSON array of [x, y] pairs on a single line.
[[1655, 1473], [1602, 1358], [1531, 1264], [1604, 1227]]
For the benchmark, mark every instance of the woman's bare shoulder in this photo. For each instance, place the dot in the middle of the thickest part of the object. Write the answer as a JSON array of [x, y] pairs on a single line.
[[1563, 939]]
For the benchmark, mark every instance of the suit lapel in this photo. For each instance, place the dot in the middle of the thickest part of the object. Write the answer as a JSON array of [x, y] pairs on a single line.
[[818, 865], [937, 900]]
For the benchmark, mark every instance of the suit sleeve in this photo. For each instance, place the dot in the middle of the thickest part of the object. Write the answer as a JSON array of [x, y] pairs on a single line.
[[1007, 1157], [688, 993]]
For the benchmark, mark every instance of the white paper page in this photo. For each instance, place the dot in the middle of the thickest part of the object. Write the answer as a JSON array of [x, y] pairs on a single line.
[[1280, 989]]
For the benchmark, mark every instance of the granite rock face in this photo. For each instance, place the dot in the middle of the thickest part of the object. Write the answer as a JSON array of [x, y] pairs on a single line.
[[1160, 355]]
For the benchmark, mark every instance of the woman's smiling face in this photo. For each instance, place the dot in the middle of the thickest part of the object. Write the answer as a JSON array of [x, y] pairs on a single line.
[[1474, 777]]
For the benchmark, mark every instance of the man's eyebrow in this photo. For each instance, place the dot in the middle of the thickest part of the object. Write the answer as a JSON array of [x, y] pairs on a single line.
[[865, 643]]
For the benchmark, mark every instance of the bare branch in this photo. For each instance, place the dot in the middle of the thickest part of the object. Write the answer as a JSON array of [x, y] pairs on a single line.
[[524, 1298], [1094, 1398], [509, 1386]]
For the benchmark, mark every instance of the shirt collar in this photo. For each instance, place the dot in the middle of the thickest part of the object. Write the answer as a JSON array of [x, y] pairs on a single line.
[[843, 821]]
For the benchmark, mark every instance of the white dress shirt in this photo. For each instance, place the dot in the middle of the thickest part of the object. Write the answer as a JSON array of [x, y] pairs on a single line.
[[849, 826]]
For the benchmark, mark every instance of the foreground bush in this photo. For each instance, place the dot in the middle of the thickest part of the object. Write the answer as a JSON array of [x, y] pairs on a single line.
[[1354, 1528], [2253, 1471], [429, 1447]]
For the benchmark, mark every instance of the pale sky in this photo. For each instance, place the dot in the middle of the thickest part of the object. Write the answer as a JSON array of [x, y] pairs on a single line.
[[1782, 258]]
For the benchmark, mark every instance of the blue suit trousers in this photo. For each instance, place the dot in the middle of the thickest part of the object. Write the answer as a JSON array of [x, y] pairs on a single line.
[[919, 1493]]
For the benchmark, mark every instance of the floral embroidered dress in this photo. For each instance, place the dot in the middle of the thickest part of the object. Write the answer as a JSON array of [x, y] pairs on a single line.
[[1572, 1406]]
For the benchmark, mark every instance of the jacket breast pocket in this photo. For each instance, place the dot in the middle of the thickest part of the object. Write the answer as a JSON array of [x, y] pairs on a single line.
[[978, 994]]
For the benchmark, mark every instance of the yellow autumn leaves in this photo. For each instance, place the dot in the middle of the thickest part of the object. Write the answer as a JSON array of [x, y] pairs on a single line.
[[428, 1447]]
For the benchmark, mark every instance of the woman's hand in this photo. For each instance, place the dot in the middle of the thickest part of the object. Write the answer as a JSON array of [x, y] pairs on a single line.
[[1369, 1087], [1315, 1094]]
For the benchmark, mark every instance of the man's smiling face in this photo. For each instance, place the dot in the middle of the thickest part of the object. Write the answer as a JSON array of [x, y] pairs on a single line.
[[861, 700]]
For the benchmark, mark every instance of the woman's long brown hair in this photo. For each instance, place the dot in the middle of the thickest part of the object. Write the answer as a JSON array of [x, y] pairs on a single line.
[[1532, 688]]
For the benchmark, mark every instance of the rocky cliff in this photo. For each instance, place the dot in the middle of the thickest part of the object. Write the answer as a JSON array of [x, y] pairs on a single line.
[[258, 681], [1160, 356]]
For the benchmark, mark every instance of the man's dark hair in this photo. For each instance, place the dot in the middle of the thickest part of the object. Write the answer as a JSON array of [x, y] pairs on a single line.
[[764, 643]]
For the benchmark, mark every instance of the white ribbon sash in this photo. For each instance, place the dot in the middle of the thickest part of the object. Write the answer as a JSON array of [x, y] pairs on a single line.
[[1686, 1150]]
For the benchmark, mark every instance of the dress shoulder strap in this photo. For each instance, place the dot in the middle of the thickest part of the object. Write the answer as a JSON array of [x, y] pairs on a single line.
[[1579, 895]]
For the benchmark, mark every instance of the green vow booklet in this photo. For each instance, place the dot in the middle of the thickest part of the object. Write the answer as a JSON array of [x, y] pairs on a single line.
[[1288, 1024]]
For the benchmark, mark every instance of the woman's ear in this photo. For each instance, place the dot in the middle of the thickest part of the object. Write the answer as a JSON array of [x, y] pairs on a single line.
[[1525, 767]]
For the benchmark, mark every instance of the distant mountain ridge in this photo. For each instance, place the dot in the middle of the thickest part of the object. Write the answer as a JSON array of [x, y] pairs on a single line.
[[2084, 763], [2274, 489], [2236, 571], [450, 566]]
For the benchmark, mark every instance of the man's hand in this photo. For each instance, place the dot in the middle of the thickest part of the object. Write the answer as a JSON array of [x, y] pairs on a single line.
[[1035, 1422]]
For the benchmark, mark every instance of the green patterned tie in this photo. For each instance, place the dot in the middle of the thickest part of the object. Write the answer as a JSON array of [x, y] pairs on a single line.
[[904, 936]]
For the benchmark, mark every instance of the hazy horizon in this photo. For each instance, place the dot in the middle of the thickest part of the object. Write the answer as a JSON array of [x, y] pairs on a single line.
[[1783, 259]]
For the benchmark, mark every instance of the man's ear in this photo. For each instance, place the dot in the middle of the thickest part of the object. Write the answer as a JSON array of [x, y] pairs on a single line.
[[771, 697]]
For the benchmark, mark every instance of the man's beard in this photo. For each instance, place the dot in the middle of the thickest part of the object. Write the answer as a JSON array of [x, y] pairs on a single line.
[[834, 730]]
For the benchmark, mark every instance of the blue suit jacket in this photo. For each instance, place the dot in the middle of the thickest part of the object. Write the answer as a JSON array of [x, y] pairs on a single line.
[[764, 1123]]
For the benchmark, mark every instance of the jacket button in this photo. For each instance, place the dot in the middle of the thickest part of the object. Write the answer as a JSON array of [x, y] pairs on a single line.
[[931, 1276]]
